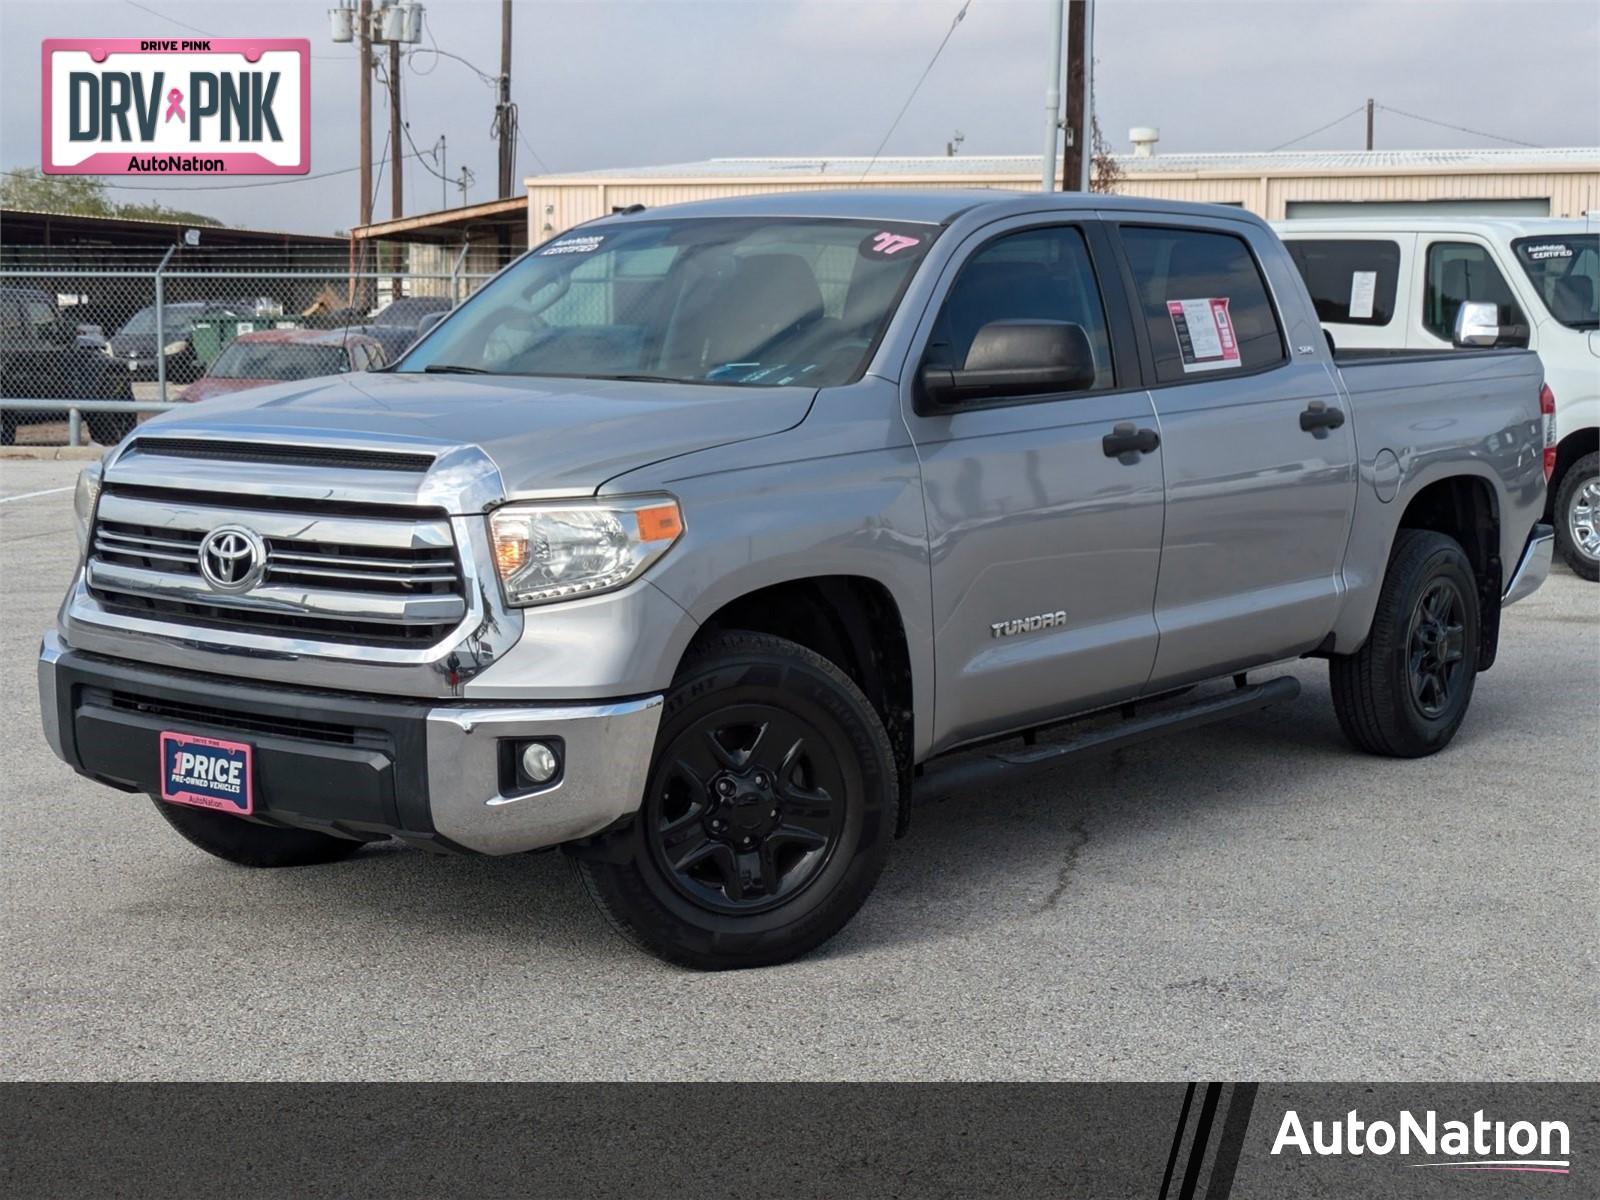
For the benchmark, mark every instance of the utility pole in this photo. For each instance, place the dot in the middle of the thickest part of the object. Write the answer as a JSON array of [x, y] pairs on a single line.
[[364, 105], [1369, 122], [397, 156], [1077, 128], [505, 122]]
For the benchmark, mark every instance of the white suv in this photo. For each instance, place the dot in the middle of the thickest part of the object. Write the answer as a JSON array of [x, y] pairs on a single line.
[[1396, 283]]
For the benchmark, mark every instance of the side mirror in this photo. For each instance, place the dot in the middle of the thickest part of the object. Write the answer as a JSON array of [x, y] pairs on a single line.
[[1009, 359], [428, 321], [1477, 324]]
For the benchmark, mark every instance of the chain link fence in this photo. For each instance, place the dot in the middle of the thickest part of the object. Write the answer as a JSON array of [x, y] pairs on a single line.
[[90, 346]]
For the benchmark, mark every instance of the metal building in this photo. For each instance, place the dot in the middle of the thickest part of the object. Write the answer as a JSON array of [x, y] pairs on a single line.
[[1285, 184]]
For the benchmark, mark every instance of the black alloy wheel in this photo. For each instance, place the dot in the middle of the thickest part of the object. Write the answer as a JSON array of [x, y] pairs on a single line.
[[745, 809], [1436, 647]]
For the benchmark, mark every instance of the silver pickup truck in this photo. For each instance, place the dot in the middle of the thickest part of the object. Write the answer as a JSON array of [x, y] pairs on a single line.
[[700, 541]]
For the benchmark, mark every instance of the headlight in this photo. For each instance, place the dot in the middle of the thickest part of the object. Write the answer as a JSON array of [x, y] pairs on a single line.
[[83, 500], [559, 551], [177, 347]]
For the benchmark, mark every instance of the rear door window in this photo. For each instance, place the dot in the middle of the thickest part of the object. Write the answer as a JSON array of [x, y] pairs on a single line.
[[1457, 272], [1351, 281], [1203, 301]]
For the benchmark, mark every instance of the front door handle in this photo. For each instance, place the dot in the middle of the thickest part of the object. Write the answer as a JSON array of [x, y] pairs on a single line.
[[1126, 442], [1318, 418]]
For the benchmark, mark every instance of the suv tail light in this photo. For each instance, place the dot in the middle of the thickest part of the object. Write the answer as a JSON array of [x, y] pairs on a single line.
[[1547, 410]]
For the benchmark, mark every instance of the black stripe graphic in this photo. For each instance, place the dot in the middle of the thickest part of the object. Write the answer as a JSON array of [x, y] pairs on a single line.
[[1202, 1135], [1177, 1140]]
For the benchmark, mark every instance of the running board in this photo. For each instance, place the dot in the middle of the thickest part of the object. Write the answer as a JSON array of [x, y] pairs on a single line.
[[1006, 765]]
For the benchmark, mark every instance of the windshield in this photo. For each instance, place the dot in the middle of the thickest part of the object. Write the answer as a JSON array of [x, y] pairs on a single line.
[[276, 360], [179, 319], [1565, 270], [749, 301]]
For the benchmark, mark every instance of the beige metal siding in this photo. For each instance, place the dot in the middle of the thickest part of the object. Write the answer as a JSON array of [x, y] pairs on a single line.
[[556, 205]]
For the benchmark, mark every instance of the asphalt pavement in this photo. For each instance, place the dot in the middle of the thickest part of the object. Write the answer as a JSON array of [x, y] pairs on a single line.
[[1254, 900]]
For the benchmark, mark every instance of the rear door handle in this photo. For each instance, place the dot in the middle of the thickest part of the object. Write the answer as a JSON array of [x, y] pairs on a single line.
[[1126, 442], [1318, 418]]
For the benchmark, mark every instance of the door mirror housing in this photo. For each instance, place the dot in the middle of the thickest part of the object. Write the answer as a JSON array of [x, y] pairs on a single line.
[[1008, 359], [1477, 324]]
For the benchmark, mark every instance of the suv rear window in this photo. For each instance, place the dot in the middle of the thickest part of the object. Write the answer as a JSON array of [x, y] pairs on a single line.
[[1204, 302], [1352, 282]]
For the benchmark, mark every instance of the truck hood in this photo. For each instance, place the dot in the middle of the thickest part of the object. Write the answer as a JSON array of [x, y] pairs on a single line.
[[544, 435]]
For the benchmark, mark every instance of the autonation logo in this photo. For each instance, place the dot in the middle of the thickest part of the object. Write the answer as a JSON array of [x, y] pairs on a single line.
[[1476, 1145]]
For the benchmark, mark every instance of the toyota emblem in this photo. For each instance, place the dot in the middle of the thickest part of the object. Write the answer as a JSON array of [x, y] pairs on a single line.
[[232, 558]]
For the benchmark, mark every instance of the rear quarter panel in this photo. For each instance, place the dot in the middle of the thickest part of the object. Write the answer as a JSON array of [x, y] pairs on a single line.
[[1440, 416]]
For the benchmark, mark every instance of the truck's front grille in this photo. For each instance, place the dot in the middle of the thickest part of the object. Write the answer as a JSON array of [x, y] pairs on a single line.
[[327, 576]]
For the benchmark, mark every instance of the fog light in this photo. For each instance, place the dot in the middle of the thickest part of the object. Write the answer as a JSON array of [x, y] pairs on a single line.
[[539, 762]]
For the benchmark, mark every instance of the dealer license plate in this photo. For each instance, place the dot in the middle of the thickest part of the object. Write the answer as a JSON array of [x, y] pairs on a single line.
[[207, 773]]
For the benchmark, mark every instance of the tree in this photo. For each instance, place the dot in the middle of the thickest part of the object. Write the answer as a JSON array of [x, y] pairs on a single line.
[[1104, 172], [83, 195], [29, 188]]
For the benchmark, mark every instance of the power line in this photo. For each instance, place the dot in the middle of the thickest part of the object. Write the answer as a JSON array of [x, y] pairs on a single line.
[[1460, 128], [893, 125], [196, 29], [222, 187], [1283, 145]]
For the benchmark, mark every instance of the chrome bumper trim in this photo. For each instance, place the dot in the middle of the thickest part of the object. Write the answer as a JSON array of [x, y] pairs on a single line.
[[606, 757], [1534, 567], [50, 651]]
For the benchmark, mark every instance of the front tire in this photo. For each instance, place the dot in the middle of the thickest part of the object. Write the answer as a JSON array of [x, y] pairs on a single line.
[[1577, 517], [1405, 693], [250, 845], [767, 817]]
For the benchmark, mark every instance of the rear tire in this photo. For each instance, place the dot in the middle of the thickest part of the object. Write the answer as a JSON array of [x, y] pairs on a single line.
[[110, 428], [767, 817], [1405, 693], [250, 845], [1577, 517]]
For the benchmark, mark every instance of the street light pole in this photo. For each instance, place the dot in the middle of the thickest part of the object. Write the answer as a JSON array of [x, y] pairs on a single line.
[[1052, 98]]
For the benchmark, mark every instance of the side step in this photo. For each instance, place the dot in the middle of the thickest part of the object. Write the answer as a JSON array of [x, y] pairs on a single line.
[[980, 771]]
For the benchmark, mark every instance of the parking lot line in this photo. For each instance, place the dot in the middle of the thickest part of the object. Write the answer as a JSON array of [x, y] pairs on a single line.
[[31, 495]]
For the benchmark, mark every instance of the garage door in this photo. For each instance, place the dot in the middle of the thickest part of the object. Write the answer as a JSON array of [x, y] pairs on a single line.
[[1305, 209]]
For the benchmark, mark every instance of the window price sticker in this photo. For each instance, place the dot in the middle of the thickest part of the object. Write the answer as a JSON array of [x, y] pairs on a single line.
[[1205, 334]]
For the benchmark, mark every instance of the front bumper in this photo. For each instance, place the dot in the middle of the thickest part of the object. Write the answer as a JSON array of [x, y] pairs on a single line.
[[1533, 568], [433, 774]]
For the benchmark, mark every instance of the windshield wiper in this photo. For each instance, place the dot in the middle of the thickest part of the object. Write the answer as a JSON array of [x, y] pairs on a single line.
[[453, 369], [640, 378]]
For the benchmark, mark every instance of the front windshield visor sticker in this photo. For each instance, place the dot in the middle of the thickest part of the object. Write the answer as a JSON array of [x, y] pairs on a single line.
[[579, 244], [1205, 333], [904, 242]]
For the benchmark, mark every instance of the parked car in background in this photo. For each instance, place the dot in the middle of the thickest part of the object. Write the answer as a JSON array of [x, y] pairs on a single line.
[[1399, 283], [134, 345], [408, 311], [253, 360], [395, 339], [41, 358]]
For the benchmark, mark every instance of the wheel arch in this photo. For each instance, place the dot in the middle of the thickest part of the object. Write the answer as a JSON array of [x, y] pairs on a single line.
[[853, 621], [1465, 508]]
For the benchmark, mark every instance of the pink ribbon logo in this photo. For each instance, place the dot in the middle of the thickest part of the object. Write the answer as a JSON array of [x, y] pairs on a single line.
[[175, 105]]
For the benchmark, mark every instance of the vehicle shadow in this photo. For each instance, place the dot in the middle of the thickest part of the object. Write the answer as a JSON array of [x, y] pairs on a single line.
[[1013, 852]]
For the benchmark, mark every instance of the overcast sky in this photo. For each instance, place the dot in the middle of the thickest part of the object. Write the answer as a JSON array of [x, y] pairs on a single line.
[[601, 83]]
